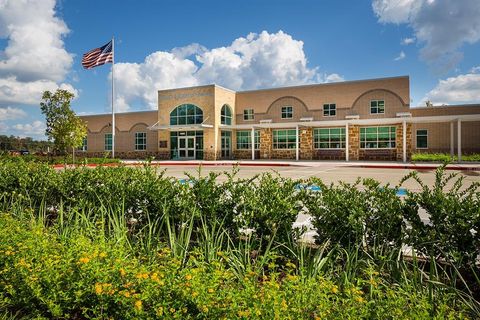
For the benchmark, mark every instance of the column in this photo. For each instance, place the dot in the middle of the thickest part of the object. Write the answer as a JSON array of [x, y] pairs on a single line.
[[404, 137], [346, 143], [452, 140], [296, 143], [459, 139], [252, 137]]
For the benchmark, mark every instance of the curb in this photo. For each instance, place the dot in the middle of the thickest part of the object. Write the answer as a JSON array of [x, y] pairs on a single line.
[[192, 164]]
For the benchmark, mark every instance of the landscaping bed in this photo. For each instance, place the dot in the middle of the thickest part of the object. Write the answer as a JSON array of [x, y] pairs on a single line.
[[444, 157], [131, 243]]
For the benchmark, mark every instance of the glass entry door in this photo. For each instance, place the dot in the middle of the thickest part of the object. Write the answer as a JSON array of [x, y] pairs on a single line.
[[186, 148], [226, 144]]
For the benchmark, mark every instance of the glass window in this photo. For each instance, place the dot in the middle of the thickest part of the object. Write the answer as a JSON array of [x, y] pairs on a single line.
[[226, 115], [140, 141], [287, 112], [108, 142], [244, 140], [248, 114], [329, 138], [186, 114], [377, 137], [84, 145], [377, 106], [329, 109], [422, 139], [284, 139]]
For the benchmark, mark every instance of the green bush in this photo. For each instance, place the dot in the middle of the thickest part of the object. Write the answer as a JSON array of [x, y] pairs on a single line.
[[444, 157]]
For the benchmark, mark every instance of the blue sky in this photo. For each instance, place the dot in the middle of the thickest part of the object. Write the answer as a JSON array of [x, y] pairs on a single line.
[[238, 44]]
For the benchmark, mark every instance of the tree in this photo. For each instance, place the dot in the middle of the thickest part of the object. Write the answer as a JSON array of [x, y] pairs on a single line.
[[64, 127]]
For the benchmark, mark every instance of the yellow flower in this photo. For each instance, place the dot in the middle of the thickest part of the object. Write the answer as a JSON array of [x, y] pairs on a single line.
[[172, 310], [194, 294], [102, 255], [334, 289], [142, 276], [126, 294], [188, 277], [284, 304], [210, 290], [122, 272], [154, 276], [360, 299], [98, 288], [160, 311], [138, 304], [205, 309], [84, 260]]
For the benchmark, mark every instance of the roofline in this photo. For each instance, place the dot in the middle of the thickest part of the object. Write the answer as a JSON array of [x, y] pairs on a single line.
[[448, 106], [116, 113], [288, 87], [326, 84]]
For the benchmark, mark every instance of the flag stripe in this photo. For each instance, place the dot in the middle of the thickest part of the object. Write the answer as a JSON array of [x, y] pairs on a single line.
[[98, 56]]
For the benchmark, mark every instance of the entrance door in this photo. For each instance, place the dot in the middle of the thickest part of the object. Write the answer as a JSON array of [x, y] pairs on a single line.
[[226, 144], [186, 148]]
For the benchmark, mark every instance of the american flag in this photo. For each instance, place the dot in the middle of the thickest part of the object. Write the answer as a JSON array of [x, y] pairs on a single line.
[[98, 56]]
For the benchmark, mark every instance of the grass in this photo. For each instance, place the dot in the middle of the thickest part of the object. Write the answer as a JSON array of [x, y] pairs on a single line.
[[444, 157]]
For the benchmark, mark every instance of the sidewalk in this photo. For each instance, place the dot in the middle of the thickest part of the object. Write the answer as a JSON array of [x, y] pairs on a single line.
[[282, 163]]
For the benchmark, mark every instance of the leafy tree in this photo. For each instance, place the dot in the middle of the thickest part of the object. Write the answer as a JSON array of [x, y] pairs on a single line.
[[64, 127]]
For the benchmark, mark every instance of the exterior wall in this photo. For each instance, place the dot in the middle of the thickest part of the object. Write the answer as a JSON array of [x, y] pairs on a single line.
[[350, 98], [306, 144]]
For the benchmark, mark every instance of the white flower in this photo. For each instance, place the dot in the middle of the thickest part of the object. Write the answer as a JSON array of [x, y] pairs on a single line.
[[246, 231]]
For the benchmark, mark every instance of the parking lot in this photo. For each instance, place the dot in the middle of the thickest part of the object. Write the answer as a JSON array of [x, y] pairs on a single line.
[[328, 172]]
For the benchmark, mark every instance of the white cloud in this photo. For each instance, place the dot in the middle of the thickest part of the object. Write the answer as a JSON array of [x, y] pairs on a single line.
[[13, 91], [460, 89], [400, 56], [407, 41], [10, 113], [442, 26], [334, 77], [35, 58], [36, 128], [4, 127], [251, 62]]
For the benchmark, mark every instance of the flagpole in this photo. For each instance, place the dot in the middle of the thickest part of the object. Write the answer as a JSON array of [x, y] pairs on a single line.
[[113, 94]]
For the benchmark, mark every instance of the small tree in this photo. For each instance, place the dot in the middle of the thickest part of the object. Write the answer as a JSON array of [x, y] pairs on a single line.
[[64, 127]]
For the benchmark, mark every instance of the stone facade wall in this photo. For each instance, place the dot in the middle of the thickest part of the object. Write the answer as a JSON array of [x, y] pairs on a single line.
[[306, 144], [137, 155], [245, 154], [353, 142], [266, 141], [326, 154], [283, 154], [378, 154]]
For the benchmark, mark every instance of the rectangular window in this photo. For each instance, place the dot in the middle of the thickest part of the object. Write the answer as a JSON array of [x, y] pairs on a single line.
[[329, 138], [84, 144], [244, 140], [140, 141], [422, 139], [248, 114], [287, 112], [329, 110], [377, 106], [284, 139], [377, 137], [108, 142]]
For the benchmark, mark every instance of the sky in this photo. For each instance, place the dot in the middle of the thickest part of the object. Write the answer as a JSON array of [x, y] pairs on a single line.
[[241, 45]]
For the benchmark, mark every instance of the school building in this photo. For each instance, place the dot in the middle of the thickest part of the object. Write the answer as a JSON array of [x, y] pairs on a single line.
[[351, 120]]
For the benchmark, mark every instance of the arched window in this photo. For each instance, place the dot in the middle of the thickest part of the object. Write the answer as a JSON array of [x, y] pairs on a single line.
[[226, 115], [186, 114]]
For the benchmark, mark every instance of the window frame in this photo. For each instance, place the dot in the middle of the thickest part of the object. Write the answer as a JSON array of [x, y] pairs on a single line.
[[392, 143], [136, 141], [288, 144], [197, 115], [285, 112], [247, 145], [426, 138], [226, 119], [105, 144], [377, 100], [247, 114], [330, 109], [317, 144]]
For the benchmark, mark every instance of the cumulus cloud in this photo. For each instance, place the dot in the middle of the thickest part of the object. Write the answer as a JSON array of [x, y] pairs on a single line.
[[442, 26], [400, 56], [10, 113], [460, 89], [251, 62], [35, 58], [36, 128]]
